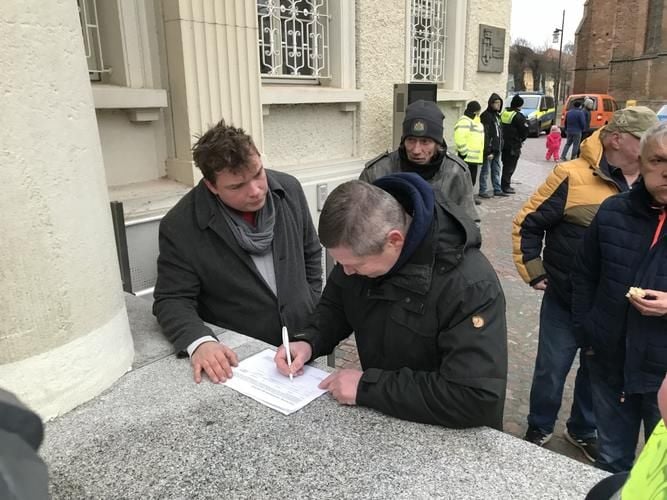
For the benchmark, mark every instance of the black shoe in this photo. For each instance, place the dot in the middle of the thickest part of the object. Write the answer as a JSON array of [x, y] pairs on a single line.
[[537, 437], [477, 200], [509, 190], [588, 446], [500, 193], [485, 195]]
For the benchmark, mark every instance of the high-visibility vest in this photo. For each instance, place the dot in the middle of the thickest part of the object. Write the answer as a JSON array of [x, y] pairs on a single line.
[[469, 139], [507, 116], [647, 477]]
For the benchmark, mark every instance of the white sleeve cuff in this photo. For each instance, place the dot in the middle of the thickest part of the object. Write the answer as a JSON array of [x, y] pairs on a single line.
[[192, 347]]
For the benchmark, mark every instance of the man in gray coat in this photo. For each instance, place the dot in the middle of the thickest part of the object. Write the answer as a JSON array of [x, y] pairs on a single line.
[[239, 251], [423, 150]]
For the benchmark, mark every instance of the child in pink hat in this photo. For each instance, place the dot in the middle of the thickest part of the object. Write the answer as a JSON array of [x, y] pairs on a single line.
[[553, 143]]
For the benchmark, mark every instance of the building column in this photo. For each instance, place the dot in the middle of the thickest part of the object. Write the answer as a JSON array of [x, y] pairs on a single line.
[[213, 67], [64, 334]]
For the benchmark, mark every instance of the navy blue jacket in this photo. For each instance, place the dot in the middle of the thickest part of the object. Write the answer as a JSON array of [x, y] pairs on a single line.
[[575, 121], [616, 254]]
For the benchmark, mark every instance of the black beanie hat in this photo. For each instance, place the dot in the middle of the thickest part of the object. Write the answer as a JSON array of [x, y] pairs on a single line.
[[423, 119], [517, 102]]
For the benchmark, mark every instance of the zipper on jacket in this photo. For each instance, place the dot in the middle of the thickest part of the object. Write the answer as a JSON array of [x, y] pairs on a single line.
[[658, 230]]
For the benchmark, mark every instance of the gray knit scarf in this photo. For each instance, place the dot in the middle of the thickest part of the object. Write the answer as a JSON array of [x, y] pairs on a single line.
[[254, 240]]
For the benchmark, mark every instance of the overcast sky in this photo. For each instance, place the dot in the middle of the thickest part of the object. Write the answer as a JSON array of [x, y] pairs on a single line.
[[535, 20]]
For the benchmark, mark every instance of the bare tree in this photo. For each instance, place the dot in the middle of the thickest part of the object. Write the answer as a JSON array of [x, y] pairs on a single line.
[[521, 55]]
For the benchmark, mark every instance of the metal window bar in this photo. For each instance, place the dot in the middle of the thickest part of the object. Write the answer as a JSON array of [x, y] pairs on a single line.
[[293, 38], [428, 37], [91, 38]]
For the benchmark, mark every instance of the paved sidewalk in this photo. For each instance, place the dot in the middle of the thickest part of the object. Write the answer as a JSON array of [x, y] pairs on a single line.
[[523, 302]]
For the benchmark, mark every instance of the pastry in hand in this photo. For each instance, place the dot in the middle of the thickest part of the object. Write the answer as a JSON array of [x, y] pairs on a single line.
[[636, 292]]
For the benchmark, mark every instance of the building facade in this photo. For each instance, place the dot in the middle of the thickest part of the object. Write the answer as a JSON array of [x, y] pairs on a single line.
[[621, 49], [311, 80]]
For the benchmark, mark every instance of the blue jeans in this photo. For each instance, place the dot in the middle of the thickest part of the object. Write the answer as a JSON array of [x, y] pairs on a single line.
[[618, 422], [494, 167], [556, 350], [573, 139]]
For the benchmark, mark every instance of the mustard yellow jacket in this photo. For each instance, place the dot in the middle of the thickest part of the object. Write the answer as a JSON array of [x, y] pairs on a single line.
[[550, 225]]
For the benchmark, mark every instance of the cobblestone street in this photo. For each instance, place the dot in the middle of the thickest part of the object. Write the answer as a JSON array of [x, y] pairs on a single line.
[[523, 302]]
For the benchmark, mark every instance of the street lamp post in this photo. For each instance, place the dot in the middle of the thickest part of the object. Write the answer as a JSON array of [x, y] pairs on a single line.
[[558, 34]]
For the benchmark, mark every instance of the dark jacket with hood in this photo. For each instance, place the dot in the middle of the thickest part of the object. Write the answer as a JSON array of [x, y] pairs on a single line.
[[448, 174], [493, 134], [204, 275], [515, 130], [431, 333], [625, 246]]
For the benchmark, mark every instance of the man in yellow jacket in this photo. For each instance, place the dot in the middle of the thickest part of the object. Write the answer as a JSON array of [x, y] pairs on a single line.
[[469, 140]]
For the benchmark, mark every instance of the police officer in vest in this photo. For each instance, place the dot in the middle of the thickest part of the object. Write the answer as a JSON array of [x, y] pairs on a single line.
[[469, 140], [423, 150], [515, 132]]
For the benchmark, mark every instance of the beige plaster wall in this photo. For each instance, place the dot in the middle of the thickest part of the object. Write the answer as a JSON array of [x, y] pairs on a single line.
[[380, 64], [132, 152], [492, 13], [306, 133]]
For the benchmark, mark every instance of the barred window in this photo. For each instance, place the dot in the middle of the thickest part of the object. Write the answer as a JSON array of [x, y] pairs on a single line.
[[90, 29], [654, 26], [428, 37], [293, 38]]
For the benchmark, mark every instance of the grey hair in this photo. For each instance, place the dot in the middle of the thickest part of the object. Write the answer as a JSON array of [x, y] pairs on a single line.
[[358, 215], [657, 133]]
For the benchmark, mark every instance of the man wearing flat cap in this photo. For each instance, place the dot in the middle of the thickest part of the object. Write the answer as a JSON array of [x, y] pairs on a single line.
[[546, 234], [423, 150]]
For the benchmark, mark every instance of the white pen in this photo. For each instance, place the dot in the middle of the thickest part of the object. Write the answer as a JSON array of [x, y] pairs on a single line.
[[289, 354]]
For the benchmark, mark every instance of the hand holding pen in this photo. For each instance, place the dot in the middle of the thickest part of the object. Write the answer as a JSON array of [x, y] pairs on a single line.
[[292, 356]]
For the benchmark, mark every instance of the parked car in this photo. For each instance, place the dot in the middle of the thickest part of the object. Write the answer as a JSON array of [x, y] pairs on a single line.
[[662, 113], [604, 106], [539, 109]]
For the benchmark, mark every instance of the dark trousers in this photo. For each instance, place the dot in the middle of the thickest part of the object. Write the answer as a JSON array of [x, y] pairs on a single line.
[[556, 350], [618, 420], [509, 166], [473, 171]]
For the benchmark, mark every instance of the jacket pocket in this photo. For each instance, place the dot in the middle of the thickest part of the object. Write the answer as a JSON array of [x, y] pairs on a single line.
[[655, 360], [412, 315]]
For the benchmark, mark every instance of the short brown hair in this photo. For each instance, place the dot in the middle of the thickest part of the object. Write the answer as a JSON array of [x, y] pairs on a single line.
[[223, 147]]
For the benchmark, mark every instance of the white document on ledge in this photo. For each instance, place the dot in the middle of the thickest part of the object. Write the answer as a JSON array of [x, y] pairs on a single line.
[[257, 377]]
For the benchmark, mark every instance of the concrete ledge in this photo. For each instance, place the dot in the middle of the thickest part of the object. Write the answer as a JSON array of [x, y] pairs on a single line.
[[454, 95], [304, 94], [54, 382], [116, 97]]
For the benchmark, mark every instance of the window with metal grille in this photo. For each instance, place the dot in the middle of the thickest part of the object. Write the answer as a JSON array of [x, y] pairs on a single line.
[[654, 26], [90, 29], [427, 40], [293, 38]]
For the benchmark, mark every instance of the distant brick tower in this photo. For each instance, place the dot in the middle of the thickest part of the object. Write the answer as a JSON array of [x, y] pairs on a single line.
[[622, 50]]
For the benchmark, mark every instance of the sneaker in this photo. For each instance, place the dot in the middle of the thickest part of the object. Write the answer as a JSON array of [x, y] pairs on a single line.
[[485, 195], [500, 193], [509, 190], [537, 437], [477, 200], [588, 446]]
